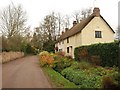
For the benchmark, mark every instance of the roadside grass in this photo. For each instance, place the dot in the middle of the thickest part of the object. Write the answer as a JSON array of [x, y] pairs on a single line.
[[57, 79]]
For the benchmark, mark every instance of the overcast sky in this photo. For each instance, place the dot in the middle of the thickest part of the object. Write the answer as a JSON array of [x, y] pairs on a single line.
[[37, 9]]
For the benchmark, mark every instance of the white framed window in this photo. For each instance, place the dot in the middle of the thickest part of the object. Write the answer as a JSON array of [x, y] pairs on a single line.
[[98, 34]]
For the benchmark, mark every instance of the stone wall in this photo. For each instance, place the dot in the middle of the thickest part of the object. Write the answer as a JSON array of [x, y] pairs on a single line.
[[9, 56]]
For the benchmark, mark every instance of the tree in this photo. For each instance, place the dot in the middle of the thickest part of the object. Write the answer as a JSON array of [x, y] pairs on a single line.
[[45, 35], [80, 15], [4, 43], [67, 21], [13, 20], [13, 27], [86, 12], [76, 16], [59, 23], [49, 26]]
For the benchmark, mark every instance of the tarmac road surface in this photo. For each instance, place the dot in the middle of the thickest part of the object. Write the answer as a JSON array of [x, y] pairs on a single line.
[[24, 73]]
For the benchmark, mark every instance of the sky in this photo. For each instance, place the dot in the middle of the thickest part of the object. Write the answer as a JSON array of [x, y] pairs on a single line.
[[38, 9]]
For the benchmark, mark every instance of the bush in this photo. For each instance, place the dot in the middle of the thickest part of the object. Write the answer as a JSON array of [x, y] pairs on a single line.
[[108, 82], [61, 63], [108, 53], [58, 80], [82, 65], [49, 46], [95, 60], [28, 49], [46, 59], [116, 77], [87, 76], [82, 78], [60, 54]]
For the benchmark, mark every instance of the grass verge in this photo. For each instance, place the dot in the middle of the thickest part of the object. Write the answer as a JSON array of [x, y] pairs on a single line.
[[57, 79]]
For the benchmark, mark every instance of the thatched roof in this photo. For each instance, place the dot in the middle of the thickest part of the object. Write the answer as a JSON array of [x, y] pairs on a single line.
[[79, 27]]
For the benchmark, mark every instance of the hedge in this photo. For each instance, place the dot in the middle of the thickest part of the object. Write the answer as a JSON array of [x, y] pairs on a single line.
[[108, 52]]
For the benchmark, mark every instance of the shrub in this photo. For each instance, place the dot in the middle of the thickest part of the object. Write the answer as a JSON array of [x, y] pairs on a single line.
[[44, 53], [116, 77], [28, 49], [83, 54], [108, 82], [84, 65], [86, 76], [82, 78], [95, 60], [46, 59], [60, 54], [58, 80], [69, 57], [49, 46], [104, 71], [108, 53], [75, 65], [61, 63]]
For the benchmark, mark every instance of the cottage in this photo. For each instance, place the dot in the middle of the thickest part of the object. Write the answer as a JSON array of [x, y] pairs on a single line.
[[93, 29]]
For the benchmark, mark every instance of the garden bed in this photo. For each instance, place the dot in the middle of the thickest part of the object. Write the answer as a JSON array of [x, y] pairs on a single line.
[[83, 74]]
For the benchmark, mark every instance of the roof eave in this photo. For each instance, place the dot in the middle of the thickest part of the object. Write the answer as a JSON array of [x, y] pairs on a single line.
[[107, 24]]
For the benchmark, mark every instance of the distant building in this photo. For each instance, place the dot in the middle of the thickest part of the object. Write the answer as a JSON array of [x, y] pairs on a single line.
[[93, 29]]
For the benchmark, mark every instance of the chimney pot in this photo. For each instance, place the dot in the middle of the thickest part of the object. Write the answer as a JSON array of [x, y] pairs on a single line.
[[96, 11], [66, 29], [62, 32], [74, 23], [80, 20]]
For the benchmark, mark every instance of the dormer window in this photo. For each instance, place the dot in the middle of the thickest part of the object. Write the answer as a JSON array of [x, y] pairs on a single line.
[[98, 34]]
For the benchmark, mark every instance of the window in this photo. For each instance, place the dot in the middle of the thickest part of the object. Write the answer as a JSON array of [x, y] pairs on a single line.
[[67, 39], [98, 34], [63, 42], [67, 49], [59, 43], [56, 48], [60, 50]]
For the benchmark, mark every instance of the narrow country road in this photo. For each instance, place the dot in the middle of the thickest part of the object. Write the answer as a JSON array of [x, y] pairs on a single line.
[[24, 73]]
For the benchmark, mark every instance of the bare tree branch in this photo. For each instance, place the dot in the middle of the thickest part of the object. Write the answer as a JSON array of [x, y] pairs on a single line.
[[13, 21]]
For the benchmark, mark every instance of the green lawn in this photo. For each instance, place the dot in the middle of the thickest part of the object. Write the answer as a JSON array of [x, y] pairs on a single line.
[[57, 79]]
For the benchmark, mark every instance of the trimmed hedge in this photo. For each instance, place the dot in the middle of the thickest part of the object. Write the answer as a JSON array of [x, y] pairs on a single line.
[[108, 52]]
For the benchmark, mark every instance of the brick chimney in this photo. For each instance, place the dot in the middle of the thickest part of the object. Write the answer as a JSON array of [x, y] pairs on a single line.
[[96, 11], [66, 29], [74, 23], [62, 32]]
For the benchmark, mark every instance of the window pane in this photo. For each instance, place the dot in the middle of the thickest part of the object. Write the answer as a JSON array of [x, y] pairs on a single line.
[[67, 40], [98, 34], [67, 49], [62, 42]]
